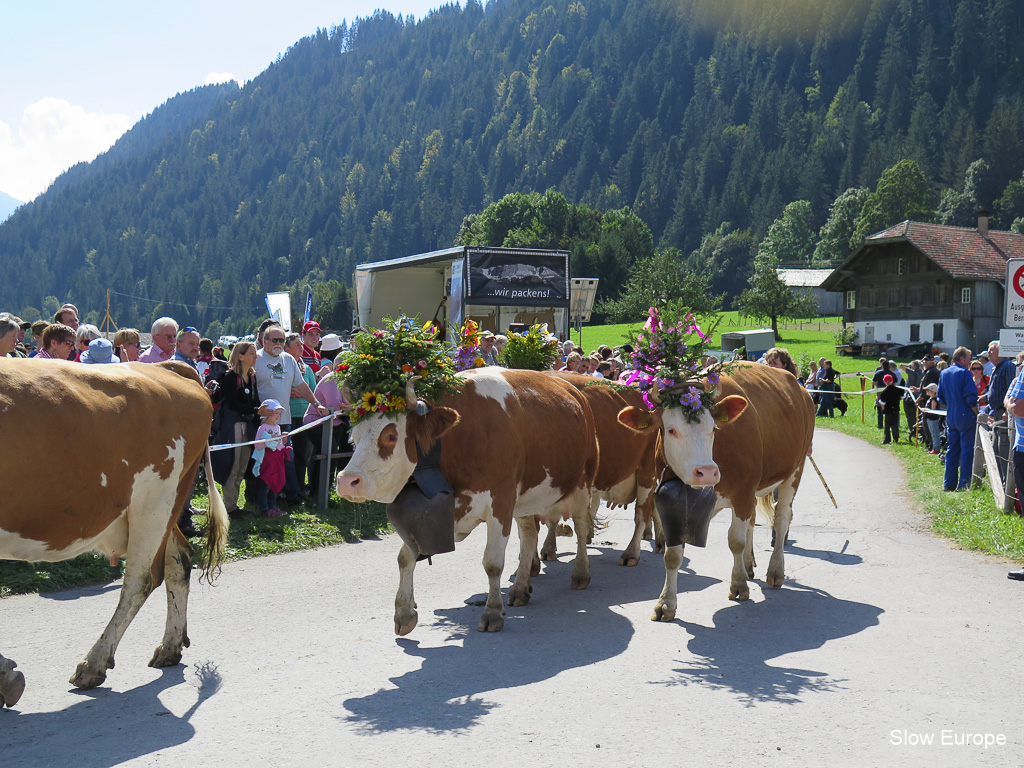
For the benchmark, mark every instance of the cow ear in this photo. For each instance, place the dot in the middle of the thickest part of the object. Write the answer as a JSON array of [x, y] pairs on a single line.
[[639, 419], [729, 408], [428, 429]]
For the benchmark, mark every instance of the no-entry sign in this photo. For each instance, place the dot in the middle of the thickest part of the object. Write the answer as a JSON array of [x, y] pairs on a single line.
[[1014, 315]]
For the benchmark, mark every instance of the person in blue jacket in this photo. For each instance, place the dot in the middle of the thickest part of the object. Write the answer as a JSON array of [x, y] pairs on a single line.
[[959, 395]]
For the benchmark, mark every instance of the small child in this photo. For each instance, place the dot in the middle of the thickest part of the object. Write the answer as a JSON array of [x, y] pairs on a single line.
[[269, 459], [890, 399]]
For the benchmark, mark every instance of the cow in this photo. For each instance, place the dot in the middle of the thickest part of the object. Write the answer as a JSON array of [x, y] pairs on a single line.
[[135, 435], [514, 444], [627, 468], [753, 443]]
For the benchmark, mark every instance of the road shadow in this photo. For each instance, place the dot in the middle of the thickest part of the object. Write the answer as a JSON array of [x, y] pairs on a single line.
[[559, 629], [106, 728], [842, 557], [735, 652]]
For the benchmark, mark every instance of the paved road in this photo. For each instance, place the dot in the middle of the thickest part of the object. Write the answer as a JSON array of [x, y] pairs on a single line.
[[884, 637]]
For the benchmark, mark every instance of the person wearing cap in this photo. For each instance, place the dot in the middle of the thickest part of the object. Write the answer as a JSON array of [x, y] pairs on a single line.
[[486, 348], [310, 338], [932, 421], [330, 346], [269, 458], [99, 352], [959, 395], [890, 398], [165, 334]]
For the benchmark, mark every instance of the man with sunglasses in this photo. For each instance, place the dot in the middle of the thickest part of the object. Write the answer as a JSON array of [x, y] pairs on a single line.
[[277, 375], [165, 336]]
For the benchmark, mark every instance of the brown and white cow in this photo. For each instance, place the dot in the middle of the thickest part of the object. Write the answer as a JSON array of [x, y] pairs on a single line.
[[108, 455], [627, 459], [514, 444], [754, 444]]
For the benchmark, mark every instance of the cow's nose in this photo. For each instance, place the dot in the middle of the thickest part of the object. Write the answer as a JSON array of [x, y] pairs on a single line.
[[349, 486], [706, 476]]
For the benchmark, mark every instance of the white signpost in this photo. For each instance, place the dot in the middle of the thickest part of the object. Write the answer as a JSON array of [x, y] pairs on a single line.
[[1011, 337]]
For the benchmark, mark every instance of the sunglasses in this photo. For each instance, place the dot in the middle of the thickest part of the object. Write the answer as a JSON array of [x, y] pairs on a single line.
[[977, 368], [275, 339]]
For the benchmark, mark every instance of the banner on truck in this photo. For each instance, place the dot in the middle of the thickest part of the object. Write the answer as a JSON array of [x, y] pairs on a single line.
[[518, 277]]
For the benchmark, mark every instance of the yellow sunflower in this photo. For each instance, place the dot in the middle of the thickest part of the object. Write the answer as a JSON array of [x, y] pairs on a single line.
[[373, 401]]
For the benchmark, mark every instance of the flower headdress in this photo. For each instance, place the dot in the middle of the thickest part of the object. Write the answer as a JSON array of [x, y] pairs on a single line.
[[467, 356], [666, 365], [384, 365]]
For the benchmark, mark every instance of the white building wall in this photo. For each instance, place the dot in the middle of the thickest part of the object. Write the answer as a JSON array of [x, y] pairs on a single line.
[[954, 332]]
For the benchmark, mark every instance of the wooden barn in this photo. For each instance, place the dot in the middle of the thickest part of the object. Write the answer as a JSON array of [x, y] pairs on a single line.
[[916, 282]]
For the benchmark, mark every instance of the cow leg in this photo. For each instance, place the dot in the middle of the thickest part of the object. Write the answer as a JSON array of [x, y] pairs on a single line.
[[549, 551], [519, 592], [665, 608], [783, 517], [641, 525], [12, 684], [659, 532], [493, 619], [154, 509], [584, 535], [738, 589], [748, 550], [405, 606], [177, 572]]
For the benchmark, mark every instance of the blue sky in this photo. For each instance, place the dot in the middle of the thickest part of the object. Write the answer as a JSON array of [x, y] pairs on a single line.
[[77, 75]]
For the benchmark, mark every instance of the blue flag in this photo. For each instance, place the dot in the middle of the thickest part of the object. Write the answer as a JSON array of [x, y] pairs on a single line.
[[309, 306]]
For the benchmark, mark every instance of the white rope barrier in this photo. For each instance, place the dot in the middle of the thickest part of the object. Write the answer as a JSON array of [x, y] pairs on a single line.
[[303, 428]]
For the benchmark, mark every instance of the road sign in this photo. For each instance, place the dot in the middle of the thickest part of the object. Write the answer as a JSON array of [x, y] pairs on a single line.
[[1014, 305], [1011, 342]]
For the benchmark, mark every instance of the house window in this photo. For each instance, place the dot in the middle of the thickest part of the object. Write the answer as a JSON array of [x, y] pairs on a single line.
[[851, 299], [965, 295], [901, 266], [937, 332], [915, 332]]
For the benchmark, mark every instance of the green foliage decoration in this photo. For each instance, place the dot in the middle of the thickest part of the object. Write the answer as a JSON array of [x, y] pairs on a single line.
[[534, 350]]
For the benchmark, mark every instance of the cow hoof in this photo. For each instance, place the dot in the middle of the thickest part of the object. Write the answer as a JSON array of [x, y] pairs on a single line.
[[519, 595], [405, 621], [580, 582], [491, 621], [165, 657], [629, 559], [86, 677], [648, 532], [535, 566], [775, 580], [739, 594], [750, 573], [548, 555], [659, 547], [663, 613], [12, 684]]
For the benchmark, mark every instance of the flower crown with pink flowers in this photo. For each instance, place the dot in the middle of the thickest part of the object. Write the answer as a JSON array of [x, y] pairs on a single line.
[[666, 365]]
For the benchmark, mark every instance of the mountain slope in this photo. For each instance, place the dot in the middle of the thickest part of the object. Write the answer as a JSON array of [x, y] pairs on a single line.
[[375, 141]]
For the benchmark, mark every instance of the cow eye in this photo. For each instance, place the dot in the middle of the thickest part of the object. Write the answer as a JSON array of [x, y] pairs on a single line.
[[672, 432]]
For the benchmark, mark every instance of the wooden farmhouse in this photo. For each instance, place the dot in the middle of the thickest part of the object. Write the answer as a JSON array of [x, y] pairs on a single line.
[[916, 282]]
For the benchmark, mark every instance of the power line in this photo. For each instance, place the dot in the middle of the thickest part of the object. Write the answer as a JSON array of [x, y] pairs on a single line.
[[180, 304]]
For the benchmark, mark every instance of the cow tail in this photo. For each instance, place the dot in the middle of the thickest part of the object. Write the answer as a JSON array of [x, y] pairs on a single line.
[[216, 528], [766, 506]]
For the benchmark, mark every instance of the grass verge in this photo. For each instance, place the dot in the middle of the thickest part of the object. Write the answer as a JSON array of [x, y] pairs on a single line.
[[971, 519], [304, 527]]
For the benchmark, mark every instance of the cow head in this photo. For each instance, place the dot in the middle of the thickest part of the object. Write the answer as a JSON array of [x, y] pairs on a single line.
[[385, 455], [688, 445]]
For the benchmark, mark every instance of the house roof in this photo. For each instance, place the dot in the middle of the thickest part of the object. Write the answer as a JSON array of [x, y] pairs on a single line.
[[803, 278], [962, 252]]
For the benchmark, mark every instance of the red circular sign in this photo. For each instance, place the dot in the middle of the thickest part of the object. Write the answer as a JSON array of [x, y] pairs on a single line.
[[1018, 281]]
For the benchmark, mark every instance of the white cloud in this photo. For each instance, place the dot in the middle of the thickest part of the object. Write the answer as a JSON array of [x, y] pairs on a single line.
[[220, 77], [53, 135]]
